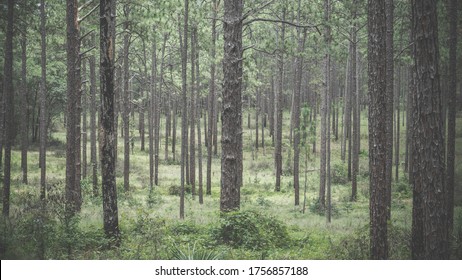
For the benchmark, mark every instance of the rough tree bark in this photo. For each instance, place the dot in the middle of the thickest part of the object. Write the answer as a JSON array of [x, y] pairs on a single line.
[[377, 131], [389, 14], [430, 191], [231, 155], [452, 110], [107, 133]]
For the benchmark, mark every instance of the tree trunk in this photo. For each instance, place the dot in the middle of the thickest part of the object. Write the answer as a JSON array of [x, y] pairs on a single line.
[[326, 131], [296, 112], [107, 133], [231, 154], [389, 10], [452, 110], [184, 104], [377, 130], [397, 105], [192, 119], [24, 128], [430, 192], [43, 101], [8, 98], [346, 107], [324, 122], [73, 119], [199, 106], [93, 102], [126, 99], [152, 111], [168, 112], [279, 105], [355, 109], [84, 119], [211, 101]]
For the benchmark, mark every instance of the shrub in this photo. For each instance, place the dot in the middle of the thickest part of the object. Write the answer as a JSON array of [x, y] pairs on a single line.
[[176, 190], [352, 247], [339, 173], [315, 207], [146, 237], [251, 230], [183, 228]]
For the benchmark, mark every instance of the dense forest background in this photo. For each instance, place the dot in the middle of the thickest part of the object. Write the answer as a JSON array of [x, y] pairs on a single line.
[[231, 129]]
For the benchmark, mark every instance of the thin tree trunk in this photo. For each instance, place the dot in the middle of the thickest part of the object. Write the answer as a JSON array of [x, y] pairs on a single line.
[[355, 109], [152, 111], [279, 106], [346, 107], [8, 99], [73, 88], [296, 112], [256, 118], [199, 106], [397, 103], [93, 105], [126, 99], [84, 119], [168, 112], [43, 127], [326, 131], [192, 119], [389, 10], [184, 104], [24, 128], [211, 102], [157, 113]]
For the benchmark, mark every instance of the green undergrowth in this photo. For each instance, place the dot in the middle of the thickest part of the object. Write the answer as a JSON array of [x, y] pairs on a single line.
[[268, 225]]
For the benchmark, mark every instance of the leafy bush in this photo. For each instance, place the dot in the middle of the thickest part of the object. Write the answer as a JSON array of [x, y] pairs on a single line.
[[251, 230], [355, 246], [183, 228], [316, 208], [352, 247], [339, 173], [176, 190], [145, 238]]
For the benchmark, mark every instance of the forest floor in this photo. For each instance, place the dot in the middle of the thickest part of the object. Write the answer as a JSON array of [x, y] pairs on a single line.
[[268, 226]]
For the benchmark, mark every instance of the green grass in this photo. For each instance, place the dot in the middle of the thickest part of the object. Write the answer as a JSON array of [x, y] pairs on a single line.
[[151, 228]]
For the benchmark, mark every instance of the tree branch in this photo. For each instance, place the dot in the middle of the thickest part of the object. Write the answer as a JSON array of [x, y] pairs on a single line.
[[253, 11], [86, 34], [88, 14], [284, 22], [89, 50], [85, 5]]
